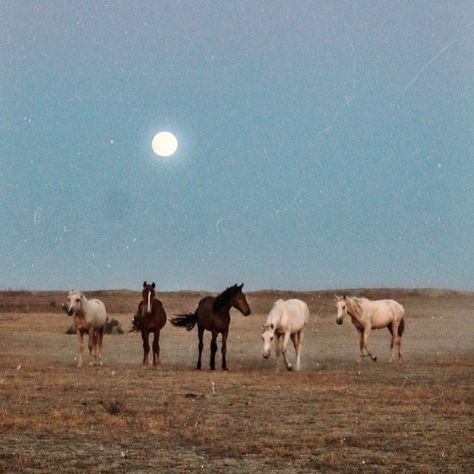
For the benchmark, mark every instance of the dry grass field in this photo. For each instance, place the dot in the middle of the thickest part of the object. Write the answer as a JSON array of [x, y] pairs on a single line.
[[333, 416]]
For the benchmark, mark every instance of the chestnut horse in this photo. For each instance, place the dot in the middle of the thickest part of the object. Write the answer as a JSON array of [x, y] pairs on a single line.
[[150, 317], [212, 314]]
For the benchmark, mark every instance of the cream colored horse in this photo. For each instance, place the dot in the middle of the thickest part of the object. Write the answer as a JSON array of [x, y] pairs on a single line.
[[286, 320], [367, 315], [90, 317]]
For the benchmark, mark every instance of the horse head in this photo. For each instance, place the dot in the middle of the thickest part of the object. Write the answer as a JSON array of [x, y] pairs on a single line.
[[341, 305], [148, 296], [268, 338], [74, 302], [239, 301]]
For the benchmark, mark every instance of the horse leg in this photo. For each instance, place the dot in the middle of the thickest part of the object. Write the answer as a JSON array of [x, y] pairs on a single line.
[[80, 336], [91, 344], [279, 340], [361, 346], [396, 342], [394, 330], [224, 349], [200, 346], [99, 342], [366, 340], [146, 346], [298, 349], [156, 348], [213, 350], [284, 351], [399, 343], [294, 340]]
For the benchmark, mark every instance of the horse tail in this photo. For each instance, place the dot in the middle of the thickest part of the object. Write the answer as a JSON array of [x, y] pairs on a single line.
[[186, 320], [401, 327]]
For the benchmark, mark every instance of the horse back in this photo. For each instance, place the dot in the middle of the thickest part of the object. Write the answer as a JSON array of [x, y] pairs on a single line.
[[290, 315], [298, 312], [383, 312]]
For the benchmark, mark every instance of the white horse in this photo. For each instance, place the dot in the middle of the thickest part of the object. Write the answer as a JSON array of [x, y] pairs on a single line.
[[367, 315], [286, 319], [90, 317]]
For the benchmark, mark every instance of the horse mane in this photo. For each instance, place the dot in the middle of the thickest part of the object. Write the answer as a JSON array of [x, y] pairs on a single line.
[[355, 305], [223, 299]]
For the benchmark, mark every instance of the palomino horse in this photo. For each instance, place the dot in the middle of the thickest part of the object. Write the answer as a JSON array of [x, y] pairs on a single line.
[[286, 319], [150, 317], [212, 314], [90, 317], [367, 315]]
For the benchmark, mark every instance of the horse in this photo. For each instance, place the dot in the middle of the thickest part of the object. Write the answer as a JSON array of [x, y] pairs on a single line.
[[90, 317], [366, 315], [212, 314], [286, 319], [150, 317]]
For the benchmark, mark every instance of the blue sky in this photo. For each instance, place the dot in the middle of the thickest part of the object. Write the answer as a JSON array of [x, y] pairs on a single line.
[[322, 144]]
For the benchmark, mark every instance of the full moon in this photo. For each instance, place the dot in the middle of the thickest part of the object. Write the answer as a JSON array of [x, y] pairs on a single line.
[[164, 144]]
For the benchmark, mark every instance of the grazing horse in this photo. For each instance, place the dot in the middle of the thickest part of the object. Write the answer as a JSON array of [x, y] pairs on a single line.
[[150, 317], [90, 317], [212, 314], [286, 319], [367, 315]]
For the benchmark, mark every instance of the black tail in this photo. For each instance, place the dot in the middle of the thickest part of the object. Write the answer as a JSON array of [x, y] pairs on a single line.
[[187, 320], [401, 327]]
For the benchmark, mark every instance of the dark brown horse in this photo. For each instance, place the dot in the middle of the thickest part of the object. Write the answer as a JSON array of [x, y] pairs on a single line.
[[212, 314], [150, 317]]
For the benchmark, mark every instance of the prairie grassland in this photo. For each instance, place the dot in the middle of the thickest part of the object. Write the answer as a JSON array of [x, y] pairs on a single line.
[[333, 416]]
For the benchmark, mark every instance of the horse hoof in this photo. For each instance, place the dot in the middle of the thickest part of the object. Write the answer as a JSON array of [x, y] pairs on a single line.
[[375, 359], [226, 369], [289, 368]]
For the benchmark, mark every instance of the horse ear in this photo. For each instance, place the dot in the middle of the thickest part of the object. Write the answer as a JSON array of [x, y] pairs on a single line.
[[153, 285], [144, 284], [241, 286]]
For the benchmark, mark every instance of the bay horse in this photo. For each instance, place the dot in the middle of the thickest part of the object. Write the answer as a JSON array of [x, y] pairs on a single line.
[[286, 320], [90, 318], [366, 315], [150, 317], [212, 314]]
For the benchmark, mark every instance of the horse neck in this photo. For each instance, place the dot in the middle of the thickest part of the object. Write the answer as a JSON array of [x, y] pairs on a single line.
[[224, 308], [84, 305], [274, 315], [355, 312]]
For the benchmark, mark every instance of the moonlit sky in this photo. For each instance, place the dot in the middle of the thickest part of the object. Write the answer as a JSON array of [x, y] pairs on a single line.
[[321, 144]]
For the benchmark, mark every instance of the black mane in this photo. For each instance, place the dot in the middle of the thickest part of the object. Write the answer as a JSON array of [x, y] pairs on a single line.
[[223, 299]]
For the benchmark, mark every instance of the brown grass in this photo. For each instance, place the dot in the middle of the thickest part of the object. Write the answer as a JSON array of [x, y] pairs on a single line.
[[333, 416]]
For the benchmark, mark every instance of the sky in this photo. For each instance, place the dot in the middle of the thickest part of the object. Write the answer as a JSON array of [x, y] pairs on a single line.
[[321, 144]]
